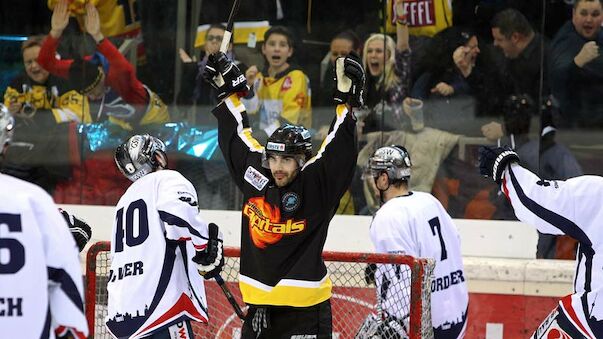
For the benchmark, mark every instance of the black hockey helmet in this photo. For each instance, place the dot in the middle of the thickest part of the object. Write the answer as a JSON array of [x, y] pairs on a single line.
[[140, 155], [289, 140], [394, 160], [7, 125]]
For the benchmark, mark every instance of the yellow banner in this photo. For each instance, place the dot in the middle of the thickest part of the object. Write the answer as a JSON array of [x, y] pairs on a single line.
[[243, 32]]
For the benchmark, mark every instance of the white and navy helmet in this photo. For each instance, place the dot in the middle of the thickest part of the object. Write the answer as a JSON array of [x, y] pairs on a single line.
[[394, 160], [140, 155], [7, 125]]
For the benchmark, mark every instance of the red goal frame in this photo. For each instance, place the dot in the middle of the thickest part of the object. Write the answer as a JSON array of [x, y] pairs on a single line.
[[420, 286]]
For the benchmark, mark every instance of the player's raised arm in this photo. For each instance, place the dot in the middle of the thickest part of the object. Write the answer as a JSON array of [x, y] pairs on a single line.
[[336, 158], [530, 196], [234, 132]]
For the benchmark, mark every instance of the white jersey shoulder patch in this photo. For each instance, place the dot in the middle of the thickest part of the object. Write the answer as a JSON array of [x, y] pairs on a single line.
[[255, 178]]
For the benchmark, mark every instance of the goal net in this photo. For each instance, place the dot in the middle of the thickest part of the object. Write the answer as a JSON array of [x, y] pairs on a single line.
[[403, 310]]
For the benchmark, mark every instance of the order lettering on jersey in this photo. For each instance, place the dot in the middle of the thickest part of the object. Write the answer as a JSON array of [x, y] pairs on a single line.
[[255, 178], [442, 283]]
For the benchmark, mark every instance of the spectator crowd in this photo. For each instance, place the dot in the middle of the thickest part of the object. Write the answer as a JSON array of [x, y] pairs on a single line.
[[500, 72]]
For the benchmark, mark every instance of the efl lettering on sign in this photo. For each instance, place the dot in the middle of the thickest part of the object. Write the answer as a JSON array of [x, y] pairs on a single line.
[[419, 12]]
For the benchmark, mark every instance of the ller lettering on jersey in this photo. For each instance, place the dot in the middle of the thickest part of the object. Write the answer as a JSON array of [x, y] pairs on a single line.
[[11, 307], [129, 269], [442, 283]]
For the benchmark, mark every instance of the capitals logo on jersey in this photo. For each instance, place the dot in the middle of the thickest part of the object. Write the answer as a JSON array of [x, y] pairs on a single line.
[[265, 224]]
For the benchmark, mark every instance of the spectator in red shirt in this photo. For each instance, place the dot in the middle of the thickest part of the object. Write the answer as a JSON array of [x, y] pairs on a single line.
[[106, 78]]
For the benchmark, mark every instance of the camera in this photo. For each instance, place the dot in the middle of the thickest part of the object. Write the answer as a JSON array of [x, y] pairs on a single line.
[[25, 98]]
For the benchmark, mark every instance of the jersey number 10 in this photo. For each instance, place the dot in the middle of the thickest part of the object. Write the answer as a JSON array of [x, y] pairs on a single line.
[[132, 239]]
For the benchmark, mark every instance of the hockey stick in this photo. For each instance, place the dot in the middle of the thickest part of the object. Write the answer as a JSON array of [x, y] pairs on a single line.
[[229, 25], [230, 297]]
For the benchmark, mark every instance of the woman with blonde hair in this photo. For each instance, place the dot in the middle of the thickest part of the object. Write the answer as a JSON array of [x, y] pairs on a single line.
[[388, 78]]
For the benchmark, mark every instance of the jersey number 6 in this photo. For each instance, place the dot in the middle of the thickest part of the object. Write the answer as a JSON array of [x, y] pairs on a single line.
[[16, 251], [132, 240], [435, 227]]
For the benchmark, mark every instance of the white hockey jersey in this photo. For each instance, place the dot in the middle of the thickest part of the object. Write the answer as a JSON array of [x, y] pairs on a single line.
[[153, 281], [571, 207], [419, 226], [40, 276]]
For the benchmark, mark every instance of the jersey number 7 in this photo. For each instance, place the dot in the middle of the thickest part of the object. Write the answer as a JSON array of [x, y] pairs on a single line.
[[435, 227], [132, 239]]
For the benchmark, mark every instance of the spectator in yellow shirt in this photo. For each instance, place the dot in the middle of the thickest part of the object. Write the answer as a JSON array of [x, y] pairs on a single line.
[[281, 91]]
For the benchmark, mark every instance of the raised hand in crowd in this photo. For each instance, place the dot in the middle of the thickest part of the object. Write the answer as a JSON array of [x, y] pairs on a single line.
[[60, 19], [185, 58], [463, 60], [443, 89], [588, 53], [92, 22], [493, 130], [251, 73], [402, 35]]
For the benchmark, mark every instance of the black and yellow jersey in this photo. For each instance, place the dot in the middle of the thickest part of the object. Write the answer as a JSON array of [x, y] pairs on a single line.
[[284, 228]]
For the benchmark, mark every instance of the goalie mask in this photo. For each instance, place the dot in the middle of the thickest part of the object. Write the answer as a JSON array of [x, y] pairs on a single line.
[[139, 156], [7, 125], [289, 140], [394, 160]]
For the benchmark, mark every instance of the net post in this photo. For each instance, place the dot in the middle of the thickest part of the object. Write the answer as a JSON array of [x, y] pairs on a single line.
[[90, 291]]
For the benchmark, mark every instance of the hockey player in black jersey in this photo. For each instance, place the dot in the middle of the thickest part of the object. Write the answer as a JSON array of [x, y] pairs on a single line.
[[290, 197]]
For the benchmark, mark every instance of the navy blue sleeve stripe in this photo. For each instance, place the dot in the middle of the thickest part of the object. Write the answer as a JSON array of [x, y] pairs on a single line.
[[179, 222], [67, 284], [567, 226], [182, 247], [46, 329]]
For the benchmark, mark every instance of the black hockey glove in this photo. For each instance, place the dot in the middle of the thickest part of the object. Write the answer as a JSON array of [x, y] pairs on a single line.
[[350, 78], [211, 260], [224, 75], [79, 229], [493, 161]]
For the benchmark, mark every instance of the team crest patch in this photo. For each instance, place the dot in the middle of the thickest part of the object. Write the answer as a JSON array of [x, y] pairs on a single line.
[[287, 84], [290, 201], [255, 178]]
